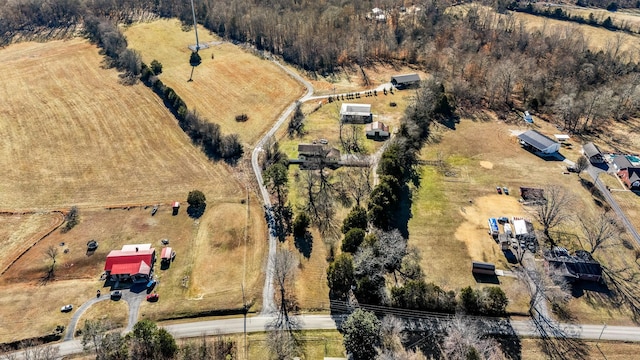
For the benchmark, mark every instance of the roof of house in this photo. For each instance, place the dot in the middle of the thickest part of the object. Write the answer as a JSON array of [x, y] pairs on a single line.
[[630, 175], [134, 247], [355, 109], [310, 148], [622, 162], [591, 150], [406, 78], [531, 193], [166, 253], [119, 257], [376, 125], [132, 268], [536, 139]]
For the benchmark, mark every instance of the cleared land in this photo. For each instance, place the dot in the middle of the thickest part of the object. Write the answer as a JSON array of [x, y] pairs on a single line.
[[212, 258], [450, 212], [229, 82], [85, 139], [19, 232]]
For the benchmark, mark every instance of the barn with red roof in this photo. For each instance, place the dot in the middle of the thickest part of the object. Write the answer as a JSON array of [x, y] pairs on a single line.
[[133, 262]]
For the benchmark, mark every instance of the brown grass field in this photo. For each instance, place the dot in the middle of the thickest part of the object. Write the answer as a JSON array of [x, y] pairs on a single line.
[[229, 82], [211, 252], [85, 139], [20, 232], [450, 213], [621, 17]]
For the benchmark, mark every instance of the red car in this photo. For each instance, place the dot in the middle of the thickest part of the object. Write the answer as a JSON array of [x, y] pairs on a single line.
[[153, 297], [499, 189]]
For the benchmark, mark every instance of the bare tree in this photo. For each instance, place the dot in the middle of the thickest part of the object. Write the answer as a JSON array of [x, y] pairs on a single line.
[[392, 338], [464, 340], [32, 352], [93, 333], [356, 183], [52, 253], [554, 209], [283, 341], [599, 230]]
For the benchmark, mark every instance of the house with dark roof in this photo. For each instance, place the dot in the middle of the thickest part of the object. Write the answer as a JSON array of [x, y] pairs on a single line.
[[621, 162], [316, 156], [537, 142], [580, 266], [592, 153], [630, 177], [355, 113], [134, 263], [405, 81]]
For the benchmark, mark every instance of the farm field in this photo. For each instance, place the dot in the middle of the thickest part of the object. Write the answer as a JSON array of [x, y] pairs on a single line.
[[230, 81], [211, 255], [20, 231], [621, 17], [450, 212], [85, 139]]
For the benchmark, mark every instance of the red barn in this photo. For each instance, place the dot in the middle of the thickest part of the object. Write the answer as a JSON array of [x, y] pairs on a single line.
[[133, 265]]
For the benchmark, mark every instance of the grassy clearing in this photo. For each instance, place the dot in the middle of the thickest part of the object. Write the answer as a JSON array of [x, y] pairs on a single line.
[[87, 140], [317, 344], [114, 312], [630, 204], [229, 82], [450, 213], [596, 350], [19, 232], [211, 251]]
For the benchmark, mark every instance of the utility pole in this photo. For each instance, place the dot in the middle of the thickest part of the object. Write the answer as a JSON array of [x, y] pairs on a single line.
[[195, 25]]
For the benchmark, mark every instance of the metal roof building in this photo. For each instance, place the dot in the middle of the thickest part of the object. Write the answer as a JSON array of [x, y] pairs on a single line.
[[538, 142]]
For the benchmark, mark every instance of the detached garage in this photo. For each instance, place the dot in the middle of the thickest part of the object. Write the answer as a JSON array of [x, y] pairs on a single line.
[[535, 141]]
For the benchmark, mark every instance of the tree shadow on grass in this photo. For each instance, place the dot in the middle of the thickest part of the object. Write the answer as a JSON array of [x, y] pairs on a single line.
[[195, 212], [304, 244]]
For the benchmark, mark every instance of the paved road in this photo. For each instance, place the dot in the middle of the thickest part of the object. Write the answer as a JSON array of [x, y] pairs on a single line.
[[71, 329], [325, 322], [268, 305], [594, 172]]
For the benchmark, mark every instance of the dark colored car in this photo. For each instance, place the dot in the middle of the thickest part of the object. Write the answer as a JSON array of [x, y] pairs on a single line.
[[116, 295], [499, 189]]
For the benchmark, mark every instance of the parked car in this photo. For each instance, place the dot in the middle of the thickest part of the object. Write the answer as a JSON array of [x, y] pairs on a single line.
[[92, 245], [503, 220], [116, 295], [153, 297], [499, 189], [151, 284], [571, 169], [66, 308], [505, 190]]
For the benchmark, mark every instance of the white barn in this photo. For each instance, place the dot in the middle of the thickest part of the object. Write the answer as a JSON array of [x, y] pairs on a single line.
[[356, 113]]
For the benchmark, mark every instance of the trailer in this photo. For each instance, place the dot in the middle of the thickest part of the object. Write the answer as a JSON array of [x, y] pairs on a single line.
[[478, 267], [507, 230], [494, 230]]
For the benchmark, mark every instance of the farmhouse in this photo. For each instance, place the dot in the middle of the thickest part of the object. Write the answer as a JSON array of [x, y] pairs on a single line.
[[621, 162], [315, 156], [580, 266], [631, 177], [355, 113], [377, 130], [592, 153], [133, 262], [405, 81], [535, 141]]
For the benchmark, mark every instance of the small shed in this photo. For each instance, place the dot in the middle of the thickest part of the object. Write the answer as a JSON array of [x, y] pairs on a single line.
[[377, 130], [175, 206], [533, 140], [592, 153], [561, 137], [478, 267], [405, 81], [527, 117], [167, 254]]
